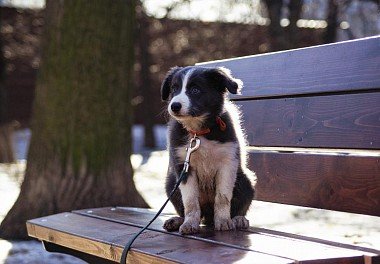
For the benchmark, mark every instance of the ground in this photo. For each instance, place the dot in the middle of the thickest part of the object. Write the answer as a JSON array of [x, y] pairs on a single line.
[[150, 169]]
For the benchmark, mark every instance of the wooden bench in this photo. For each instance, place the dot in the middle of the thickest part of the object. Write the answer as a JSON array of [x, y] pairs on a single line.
[[312, 117]]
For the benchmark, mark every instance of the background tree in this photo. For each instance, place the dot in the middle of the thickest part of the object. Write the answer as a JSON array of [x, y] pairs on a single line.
[[276, 32], [332, 22], [6, 150], [360, 17], [146, 78], [280, 37], [295, 8], [81, 142]]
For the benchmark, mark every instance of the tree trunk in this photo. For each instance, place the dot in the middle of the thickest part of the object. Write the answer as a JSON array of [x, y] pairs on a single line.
[[146, 81], [295, 8], [6, 147], [81, 142], [332, 23], [276, 32], [6, 129]]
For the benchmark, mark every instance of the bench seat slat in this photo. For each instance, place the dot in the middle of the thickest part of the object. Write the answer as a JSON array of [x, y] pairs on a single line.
[[253, 239], [338, 67], [106, 239], [333, 121], [334, 182]]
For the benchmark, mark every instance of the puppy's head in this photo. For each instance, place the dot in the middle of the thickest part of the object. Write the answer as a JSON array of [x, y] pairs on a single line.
[[197, 92]]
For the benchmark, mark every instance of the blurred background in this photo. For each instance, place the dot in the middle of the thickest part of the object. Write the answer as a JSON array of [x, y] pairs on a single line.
[[167, 33], [180, 32]]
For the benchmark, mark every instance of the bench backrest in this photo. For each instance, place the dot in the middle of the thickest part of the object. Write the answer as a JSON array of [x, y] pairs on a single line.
[[312, 118]]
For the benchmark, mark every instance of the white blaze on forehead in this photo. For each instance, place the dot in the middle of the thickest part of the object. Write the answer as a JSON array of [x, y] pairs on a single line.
[[182, 97]]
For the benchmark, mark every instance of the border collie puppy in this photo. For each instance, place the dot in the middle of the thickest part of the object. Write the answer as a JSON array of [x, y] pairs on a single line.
[[219, 188]]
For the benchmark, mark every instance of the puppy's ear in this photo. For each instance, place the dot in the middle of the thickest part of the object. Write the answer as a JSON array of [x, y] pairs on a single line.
[[224, 80], [165, 86]]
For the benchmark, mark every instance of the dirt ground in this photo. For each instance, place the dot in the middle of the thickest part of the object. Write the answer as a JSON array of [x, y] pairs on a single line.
[[150, 170]]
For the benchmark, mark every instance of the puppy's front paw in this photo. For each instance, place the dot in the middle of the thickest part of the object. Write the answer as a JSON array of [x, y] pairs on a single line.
[[172, 224], [240, 222], [189, 227], [223, 224]]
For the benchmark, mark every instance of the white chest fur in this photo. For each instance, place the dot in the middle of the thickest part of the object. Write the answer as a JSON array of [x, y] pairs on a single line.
[[211, 157]]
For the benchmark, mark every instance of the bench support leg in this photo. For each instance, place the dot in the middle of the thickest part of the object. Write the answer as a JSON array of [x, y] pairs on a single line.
[[50, 247]]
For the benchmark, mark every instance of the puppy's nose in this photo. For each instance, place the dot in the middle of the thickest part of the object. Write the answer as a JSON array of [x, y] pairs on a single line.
[[176, 107]]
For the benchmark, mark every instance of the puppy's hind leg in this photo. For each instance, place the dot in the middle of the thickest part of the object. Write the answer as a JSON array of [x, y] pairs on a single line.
[[173, 223], [242, 198]]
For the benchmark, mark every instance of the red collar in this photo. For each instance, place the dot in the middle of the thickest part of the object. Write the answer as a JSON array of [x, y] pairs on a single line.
[[222, 126]]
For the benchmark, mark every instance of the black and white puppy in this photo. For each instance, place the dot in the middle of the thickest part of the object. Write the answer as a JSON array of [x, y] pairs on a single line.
[[219, 188]]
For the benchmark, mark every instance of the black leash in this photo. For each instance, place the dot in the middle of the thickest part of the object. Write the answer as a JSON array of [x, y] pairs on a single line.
[[183, 175], [130, 242]]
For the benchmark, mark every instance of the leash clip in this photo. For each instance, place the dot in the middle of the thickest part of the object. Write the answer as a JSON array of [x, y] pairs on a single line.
[[195, 142]]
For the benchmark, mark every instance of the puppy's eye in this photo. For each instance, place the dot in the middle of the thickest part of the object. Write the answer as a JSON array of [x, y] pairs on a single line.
[[194, 90]]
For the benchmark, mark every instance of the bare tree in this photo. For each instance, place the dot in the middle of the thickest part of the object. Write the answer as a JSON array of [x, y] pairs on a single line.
[[280, 37], [145, 77], [295, 8], [6, 128], [332, 22], [276, 32]]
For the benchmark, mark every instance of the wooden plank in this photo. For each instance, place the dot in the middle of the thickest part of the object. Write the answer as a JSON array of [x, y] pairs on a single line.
[[345, 66], [373, 253], [335, 182], [139, 216], [106, 239], [269, 243], [334, 121], [54, 248], [321, 151], [96, 248], [52, 229]]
